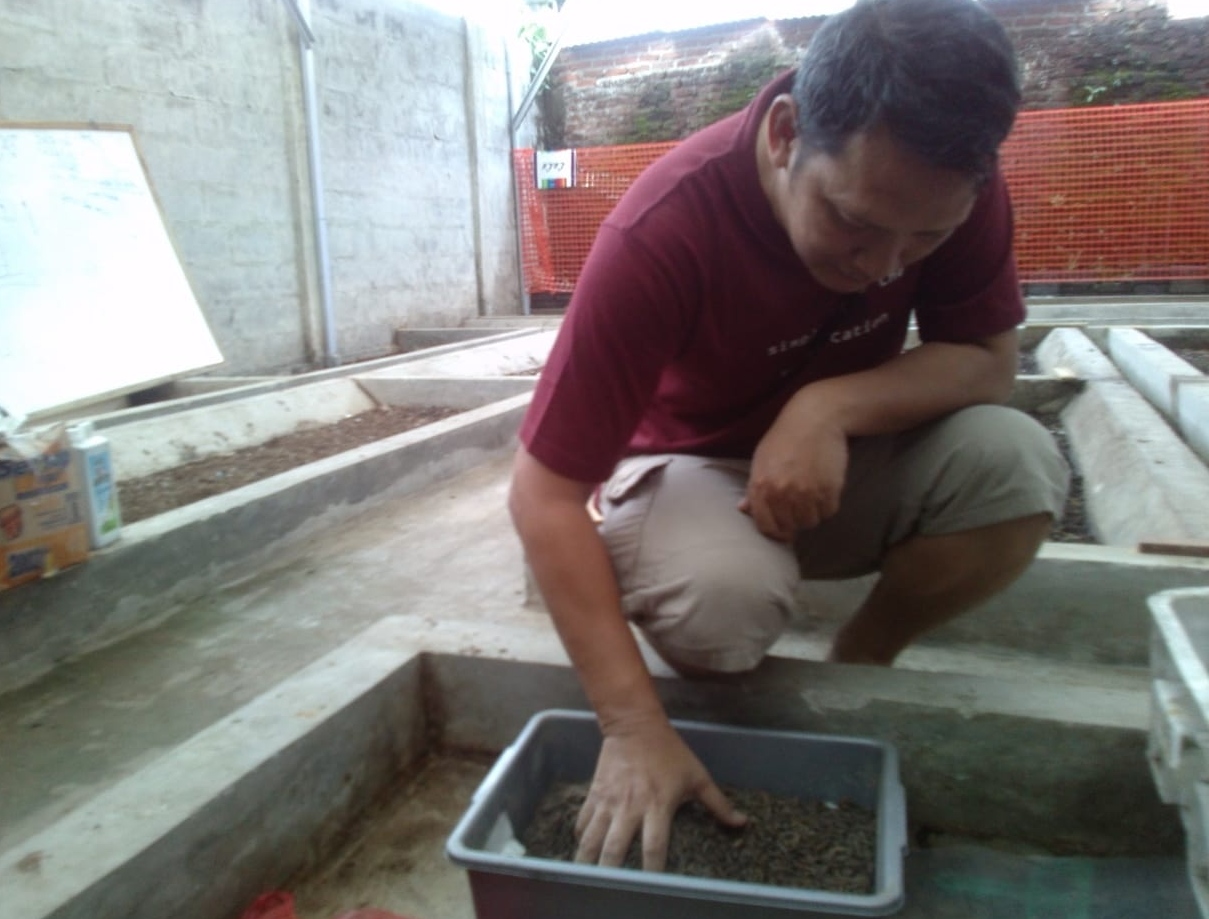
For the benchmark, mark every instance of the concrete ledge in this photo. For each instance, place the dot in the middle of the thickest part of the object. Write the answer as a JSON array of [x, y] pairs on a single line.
[[1141, 481], [1196, 336], [1169, 383], [497, 356], [462, 393], [1192, 415], [532, 321], [1122, 311], [408, 340], [166, 561], [1069, 352], [1155, 372], [510, 341]]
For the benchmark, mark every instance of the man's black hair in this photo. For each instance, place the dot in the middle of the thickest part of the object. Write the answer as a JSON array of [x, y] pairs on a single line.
[[940, 75]]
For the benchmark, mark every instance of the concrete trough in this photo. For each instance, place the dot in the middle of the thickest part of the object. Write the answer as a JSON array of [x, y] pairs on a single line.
[[293, 790], [146, 446], [168, 435]]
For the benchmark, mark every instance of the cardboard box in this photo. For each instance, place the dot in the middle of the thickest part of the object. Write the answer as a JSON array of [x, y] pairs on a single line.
[[42, 524]]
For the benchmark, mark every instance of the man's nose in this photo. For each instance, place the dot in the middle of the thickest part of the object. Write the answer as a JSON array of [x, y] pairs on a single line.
[[883, 259]]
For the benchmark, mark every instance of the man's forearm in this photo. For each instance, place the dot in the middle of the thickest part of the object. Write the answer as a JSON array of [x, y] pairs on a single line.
[[919, 385]]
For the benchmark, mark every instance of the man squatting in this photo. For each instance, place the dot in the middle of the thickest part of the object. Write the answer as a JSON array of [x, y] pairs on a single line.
[[730, 380]]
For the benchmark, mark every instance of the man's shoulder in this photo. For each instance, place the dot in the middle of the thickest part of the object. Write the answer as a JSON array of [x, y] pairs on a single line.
[[692, 176]]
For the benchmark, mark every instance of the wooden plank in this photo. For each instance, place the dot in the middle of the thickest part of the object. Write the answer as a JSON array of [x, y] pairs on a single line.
[[1192, 549]]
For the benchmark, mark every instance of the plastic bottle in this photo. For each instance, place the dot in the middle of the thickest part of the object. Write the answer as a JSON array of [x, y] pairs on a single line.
[[100, 487]]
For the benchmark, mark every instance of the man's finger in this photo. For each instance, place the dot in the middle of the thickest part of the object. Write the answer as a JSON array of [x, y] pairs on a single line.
[[592, 837], [656, 831], [617, 841], [584, 817], [721, 807], [767, 521]]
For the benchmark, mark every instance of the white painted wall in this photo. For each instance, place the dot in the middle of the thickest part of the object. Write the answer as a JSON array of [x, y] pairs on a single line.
[[415, 146]]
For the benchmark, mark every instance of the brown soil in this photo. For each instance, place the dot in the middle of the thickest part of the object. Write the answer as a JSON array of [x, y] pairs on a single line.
[[172, 488], [787, 842]]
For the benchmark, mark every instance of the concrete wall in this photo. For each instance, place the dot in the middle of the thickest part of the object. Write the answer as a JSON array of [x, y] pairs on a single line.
[[1072, 52], [415, 155]]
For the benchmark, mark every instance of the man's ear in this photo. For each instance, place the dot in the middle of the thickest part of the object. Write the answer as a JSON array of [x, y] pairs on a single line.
[[782, 127]]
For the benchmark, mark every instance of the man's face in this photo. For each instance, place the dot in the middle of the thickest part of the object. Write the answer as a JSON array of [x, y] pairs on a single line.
[[864, 215]]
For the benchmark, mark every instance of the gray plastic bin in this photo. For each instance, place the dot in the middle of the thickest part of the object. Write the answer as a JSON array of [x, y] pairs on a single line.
[[562, 746]]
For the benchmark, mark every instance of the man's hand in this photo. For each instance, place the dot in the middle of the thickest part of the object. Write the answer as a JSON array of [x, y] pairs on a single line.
[[642, 777], [797, 474]]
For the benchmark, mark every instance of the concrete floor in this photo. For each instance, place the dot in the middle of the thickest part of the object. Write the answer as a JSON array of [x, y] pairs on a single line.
[[446, 562]]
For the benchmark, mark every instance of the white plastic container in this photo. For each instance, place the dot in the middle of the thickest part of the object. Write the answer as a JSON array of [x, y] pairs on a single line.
[[1179, 722], [99, 485]]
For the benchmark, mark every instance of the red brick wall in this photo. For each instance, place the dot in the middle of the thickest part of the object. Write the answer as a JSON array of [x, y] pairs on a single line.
[[664, 86]]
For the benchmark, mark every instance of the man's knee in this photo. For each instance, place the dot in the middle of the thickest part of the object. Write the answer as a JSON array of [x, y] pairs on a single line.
[[1001, 464], [997, 437]]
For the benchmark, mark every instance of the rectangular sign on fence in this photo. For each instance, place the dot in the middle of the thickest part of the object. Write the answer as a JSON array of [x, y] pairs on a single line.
[[554, 169]]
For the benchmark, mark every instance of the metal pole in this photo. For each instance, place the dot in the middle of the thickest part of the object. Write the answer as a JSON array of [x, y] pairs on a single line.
[[306, 54], [563, 21], [526, 300], [301, 20]]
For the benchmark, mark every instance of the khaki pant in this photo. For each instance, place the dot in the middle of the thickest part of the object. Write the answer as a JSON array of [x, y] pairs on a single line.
[[708, 590]]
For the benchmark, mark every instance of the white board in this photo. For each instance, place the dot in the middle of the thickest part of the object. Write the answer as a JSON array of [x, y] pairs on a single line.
[[93, 299]]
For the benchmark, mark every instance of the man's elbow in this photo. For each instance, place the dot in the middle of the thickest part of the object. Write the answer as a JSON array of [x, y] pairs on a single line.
[[1001, 387], [1003, 356], [537, 493]]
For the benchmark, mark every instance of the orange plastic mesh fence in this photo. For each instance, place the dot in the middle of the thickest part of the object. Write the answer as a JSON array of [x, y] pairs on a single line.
[[1115, 193]]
